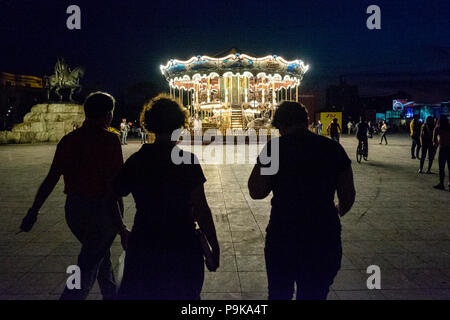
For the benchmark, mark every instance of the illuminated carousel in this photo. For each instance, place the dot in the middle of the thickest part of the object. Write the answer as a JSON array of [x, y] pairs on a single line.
[[236, 91]]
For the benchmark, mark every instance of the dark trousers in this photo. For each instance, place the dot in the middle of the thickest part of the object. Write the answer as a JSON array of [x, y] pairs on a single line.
[[312, 270], [430, 149], [335, 137], [91, 223], [444, 158], [383, 136], [170, 273], [124, 137], [415, 147], [143, 138]]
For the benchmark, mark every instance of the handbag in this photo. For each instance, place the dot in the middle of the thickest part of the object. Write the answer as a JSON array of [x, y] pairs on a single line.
[[207, 251]]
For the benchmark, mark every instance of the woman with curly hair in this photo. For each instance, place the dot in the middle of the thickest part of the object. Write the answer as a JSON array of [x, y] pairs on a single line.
[[164, 259]]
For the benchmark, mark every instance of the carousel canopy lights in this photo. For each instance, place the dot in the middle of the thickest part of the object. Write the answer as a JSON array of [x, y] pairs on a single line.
[[241, 84], [235, 65]]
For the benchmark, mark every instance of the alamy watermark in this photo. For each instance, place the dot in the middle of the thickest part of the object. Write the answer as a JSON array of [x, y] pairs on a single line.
[[374, 20], [212, 147], [74, 280], [73, 22], [374, 280]]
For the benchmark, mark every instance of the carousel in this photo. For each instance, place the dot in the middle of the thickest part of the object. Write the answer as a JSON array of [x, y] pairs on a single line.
[[233, 92]]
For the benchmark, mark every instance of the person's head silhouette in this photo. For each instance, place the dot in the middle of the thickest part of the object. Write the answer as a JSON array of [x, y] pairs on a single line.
[[162, 115], [443, 122], [290, 116], [99, 108]]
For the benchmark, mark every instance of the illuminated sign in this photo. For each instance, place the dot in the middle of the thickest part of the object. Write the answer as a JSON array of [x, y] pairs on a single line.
[[380, 116], [409, 113], [399, 105], [393, 114], [327, 117]]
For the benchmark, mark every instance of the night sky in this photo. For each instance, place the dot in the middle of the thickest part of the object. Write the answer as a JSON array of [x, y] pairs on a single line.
[[124, 42]]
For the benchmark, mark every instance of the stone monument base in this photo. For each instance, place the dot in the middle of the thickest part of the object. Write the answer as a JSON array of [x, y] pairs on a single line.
[[45, 123]]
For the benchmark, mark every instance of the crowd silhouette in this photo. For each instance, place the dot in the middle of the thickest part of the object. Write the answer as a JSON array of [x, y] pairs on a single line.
[[164, 255]]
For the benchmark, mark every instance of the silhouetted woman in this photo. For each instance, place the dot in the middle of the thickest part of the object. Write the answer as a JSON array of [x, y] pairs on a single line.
[[442, 139], [164, 258]]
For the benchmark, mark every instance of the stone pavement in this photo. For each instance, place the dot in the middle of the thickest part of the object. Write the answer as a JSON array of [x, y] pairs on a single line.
[[399, 222]]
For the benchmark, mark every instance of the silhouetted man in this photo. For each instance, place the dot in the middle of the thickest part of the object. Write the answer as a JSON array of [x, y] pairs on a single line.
[[334, 129], [303, 241], [89, 158], [415, 126], [362, 129]]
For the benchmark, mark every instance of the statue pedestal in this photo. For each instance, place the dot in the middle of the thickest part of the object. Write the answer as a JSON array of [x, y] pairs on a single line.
[[45, 123]]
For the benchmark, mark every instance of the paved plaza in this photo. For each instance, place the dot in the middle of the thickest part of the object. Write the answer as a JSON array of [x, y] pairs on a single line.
[[398, 222]]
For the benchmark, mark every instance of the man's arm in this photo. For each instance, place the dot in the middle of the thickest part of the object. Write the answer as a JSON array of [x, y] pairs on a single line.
[[345, 191], [116, 165], [435, 137], [118, 210], [46, 188], [258, 185], [117, 213]]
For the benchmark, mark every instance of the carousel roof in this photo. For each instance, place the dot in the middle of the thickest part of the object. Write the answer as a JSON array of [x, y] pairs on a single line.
[[236, 64]]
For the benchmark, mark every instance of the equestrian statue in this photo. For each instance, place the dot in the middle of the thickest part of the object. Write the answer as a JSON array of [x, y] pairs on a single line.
[[64, 78]]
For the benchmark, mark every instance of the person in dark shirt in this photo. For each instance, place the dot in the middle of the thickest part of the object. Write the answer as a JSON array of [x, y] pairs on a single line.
[[362, 129], [303, 240], [89, 158], [426, 140], [441, 139], [334, 129], [164, 258]]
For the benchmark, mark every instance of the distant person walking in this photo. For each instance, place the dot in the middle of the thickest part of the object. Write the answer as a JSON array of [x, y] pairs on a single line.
[[334, 129], [319, 128], [197, 125], [362, 129], [414, 128], [370, 129], [143, 134], [384, 129], [89, 158], [441, 138], [124, 128], [164, 259], [426, 140], [303, 241], [349, 128]]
